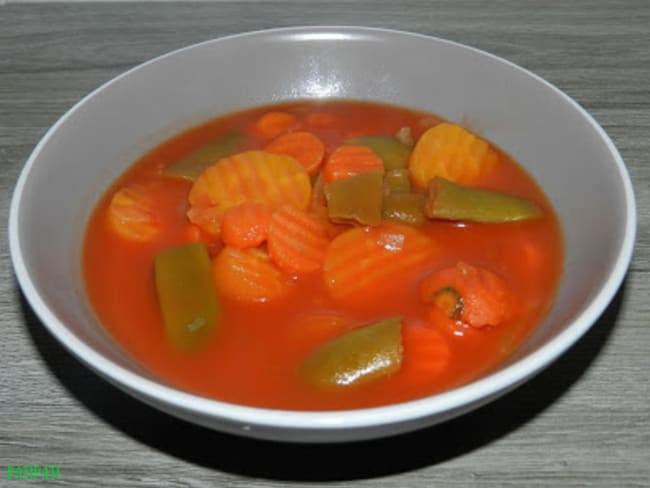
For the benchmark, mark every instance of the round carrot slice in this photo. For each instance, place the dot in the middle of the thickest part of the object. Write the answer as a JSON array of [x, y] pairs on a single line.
[[305, 147], [363, 262], [479, 296], [297, 241], [131, 214], [426, 354], [272, 124], [252, 176], [347, 161], [450, 151], [249, 276], [246, 225]]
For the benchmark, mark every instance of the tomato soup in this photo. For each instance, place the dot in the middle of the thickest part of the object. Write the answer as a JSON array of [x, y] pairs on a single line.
[[322, 255]]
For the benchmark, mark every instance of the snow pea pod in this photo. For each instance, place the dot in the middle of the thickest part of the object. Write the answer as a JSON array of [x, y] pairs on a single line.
[[186, 294], [191, 166], [362, 355], [451, 201]]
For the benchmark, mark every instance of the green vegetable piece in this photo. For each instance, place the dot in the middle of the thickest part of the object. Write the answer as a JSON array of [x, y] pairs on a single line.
[[394, 153], [192, 165], [405, 207], [450, 201], [358, 198], [186, 294], [357, 357], [398, 180]]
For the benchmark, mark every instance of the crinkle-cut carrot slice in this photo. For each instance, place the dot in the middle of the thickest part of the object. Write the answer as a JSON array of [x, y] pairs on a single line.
[[450, 151], [131, 214], [208, 219], [304, 147], [426, 354], [246, 225], [248, 276], [297, 241], [272, 124], [350, 160], [486, 299], [363, 261], [251, 176]]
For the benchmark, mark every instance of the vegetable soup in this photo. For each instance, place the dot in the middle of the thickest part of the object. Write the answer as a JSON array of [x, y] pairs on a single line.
[[322, 255]]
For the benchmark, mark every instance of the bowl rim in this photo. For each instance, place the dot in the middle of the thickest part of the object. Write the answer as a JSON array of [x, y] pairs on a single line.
[[466, 395]]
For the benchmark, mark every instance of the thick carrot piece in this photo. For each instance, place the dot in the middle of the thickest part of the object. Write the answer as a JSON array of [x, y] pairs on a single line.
[[297, 241], [131, 214], [426, 354], [251, 176], [272, 124], [347, 161], [480, 297], [364, 262], [246, 225], [304, 147], [451, 152], [248, 276]]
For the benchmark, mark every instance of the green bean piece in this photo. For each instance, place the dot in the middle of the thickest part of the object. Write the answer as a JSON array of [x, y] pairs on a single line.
[[358, 198], [405, 207], [394, 153], [186, 294], [191, 166], [450, 201], [398, 180], [360, 356]]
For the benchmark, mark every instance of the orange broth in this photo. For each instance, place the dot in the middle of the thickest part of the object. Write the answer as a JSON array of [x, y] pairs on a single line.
[[253, 356]]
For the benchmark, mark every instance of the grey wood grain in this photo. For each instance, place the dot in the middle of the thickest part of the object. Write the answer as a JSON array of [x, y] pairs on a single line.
[[583, 422]]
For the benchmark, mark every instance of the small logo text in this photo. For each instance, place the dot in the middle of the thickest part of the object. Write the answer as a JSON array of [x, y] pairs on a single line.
[[34, 473]]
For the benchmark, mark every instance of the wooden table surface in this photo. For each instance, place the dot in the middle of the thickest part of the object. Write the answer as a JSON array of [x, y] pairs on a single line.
[[585, 421]]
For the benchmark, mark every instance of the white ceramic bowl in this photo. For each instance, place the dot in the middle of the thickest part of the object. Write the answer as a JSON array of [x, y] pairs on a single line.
[[542, 128]]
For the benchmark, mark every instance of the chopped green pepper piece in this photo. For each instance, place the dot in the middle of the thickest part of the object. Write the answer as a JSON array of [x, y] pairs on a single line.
[[398, 180], [405, 207], [357, 198], [394, 153], [192, 165], [359, 356], [186, 294], [450, 201]]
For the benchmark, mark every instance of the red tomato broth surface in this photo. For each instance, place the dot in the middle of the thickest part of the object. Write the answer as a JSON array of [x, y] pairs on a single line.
[[253, 357]]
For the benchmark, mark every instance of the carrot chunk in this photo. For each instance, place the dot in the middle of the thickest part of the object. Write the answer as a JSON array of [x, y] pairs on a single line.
[[248, 276], [131, 214], [476, 296], [362, 262], [246, 225], [426, 354], [252, 176], [272, 124], [304, 147], [347, 161], [450, 151], [297, 241]]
